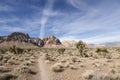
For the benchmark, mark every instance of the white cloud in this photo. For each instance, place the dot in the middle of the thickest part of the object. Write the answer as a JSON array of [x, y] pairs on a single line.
[[47, 12], [108, 37], [98, 19], [104, 21], [69, 38], [7, 20]]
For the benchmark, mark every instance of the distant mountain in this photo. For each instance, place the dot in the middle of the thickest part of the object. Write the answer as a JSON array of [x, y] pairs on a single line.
[[22, 39], [116, 43]]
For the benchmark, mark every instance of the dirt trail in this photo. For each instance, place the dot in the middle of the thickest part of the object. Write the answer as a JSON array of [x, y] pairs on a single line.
[[42, 69]]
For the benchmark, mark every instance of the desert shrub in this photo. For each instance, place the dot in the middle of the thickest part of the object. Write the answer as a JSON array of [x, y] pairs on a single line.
[[117, 78], [1, 57], [16, 50], [4, 69], [12, 62], [101, 50], [49, 57], [73, 67], [81, 48], [99, 76], [7, 77], [61, 50], [25, 70], [27, 63], [2, 50], [29, 50], [75, 59], [113, 71], [58, 67], [102, 77]]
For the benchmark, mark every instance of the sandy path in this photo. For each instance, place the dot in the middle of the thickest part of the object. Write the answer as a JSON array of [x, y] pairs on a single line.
[[42, 69]]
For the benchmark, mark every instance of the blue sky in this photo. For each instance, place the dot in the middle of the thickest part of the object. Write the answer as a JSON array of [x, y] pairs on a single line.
[[93, 21]]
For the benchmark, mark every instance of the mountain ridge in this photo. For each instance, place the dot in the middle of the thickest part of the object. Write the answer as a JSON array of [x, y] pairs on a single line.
[[19, 37]]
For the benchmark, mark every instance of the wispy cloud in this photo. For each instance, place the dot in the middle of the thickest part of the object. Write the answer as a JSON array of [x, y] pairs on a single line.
[[45, 17], [8, 20], [94, 21], [108, 37], [47, 12], [5, 8]]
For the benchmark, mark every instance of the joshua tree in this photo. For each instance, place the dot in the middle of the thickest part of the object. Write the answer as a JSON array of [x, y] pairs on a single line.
[[81, 48]]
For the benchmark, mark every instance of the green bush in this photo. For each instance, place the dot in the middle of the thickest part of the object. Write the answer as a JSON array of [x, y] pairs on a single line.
[[81, 48], [61, 50]]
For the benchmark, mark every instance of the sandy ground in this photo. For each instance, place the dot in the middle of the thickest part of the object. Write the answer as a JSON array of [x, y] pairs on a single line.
[[84, 67], [42, 69]]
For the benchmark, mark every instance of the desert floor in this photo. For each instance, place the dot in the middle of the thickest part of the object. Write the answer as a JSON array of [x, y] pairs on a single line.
[[49, 64]]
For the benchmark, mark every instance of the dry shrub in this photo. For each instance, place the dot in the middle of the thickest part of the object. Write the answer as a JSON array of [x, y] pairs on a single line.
[[3, 50], [61, 50], [1, 57], [25, 70], [4, 69], [8, 77], [12, 62], [99, 76], [73, 67], [49, 57], [58, 67], [16, 50], [101, 50], [27, 63]]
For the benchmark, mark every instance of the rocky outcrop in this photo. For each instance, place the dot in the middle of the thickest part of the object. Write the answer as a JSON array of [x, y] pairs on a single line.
[[51, 40], [37, 42], [18, 36], [26, 39]]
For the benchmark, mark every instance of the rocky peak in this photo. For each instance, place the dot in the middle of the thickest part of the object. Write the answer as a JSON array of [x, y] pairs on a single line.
[[18, 36], [51, 40]]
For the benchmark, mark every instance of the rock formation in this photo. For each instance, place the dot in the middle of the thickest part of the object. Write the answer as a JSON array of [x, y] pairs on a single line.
[[25, 38], [18, 36], [51, 40]]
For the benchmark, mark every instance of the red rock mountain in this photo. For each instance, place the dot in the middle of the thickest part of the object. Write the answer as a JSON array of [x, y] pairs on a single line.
[[25, 38]]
